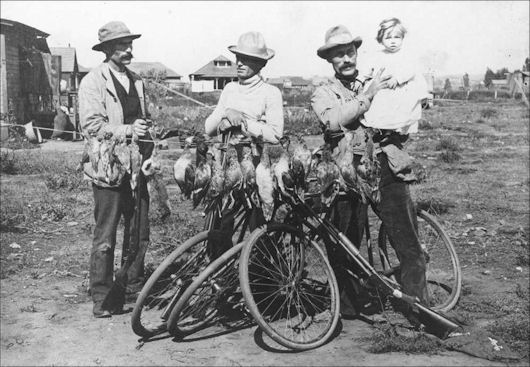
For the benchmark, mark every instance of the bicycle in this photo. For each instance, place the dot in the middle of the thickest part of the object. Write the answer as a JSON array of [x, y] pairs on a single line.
[[178, 270], [306, 307]]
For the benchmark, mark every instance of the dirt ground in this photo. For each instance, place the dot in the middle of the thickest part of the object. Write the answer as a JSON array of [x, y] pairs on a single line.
[[46, 314]]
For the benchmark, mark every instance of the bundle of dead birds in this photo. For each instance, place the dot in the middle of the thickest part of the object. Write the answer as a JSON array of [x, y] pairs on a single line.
[[218, 169], [113, 156]]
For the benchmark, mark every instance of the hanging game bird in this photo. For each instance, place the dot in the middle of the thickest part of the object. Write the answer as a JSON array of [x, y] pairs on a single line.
[[327, 175], [265, 182], [345, 163], [281, 166], [184, 171], [217, 182], [301, 165], [233, 173]]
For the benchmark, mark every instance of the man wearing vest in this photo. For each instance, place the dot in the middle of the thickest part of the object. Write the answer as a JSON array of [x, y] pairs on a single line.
[[112, 103]]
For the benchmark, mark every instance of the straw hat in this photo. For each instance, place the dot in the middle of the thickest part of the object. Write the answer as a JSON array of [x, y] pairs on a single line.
[[252, 44], [32, 133], [112, 31], [337, 36]]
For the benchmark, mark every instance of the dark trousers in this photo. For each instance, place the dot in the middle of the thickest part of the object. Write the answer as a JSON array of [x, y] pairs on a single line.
[[398, 214], [111, 204]]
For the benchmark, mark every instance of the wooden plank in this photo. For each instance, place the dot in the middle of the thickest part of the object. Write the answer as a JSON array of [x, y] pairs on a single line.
[[3, 76]]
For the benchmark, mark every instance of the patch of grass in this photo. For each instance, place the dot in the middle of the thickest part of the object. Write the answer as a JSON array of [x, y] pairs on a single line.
[[489, 112], [386, 339], [435, 206], [514, 329], [448, 144], [449, 156], [30, 308], [425, 125], [480, 121]]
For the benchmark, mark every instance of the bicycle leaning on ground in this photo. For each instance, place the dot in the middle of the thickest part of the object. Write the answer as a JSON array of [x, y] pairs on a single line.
[[290, 288]]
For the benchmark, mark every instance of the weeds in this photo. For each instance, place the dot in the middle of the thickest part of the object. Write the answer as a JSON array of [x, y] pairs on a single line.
[[489, 112], [448, 144], [435, 206], [449, 157], [386, 339]]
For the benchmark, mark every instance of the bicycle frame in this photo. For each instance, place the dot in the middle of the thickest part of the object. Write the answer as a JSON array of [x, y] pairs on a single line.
[[434, 322]]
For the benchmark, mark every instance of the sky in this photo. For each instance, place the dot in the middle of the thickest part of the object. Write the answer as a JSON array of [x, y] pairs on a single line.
[[447, 37]]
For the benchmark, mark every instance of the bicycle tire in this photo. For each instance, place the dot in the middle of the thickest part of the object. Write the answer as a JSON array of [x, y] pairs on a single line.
[[444, 275], [159, 294], [200, 303], [297, 286]]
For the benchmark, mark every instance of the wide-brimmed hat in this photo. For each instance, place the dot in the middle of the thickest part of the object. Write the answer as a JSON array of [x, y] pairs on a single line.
[[252, 44], [338, 36], [112, 31]]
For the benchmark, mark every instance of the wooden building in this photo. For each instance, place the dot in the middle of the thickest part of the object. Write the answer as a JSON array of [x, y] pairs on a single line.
[[291, 82], [214, 75], [29, 73]]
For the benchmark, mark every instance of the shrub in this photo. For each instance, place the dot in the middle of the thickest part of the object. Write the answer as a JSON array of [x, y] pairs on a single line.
[[449, 156], [448, 144], [489, 112]]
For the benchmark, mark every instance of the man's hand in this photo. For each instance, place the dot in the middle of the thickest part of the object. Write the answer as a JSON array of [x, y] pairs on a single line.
[[235, 117], [223, 126], [140, 127], [378, 82]]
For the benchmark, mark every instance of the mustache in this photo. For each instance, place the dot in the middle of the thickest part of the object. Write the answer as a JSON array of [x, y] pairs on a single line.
[[127, 56], [348, 65]]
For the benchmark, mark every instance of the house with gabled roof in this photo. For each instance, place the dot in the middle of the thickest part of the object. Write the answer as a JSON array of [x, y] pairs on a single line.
[[71, 72], [290, 82], [29, 74], [171, 78], [214, 75]]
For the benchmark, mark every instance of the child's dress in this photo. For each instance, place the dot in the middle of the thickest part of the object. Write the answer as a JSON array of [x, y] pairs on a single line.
[[400, 108]]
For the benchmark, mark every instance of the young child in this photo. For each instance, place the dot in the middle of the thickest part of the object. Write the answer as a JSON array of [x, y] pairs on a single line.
[[398, 107]]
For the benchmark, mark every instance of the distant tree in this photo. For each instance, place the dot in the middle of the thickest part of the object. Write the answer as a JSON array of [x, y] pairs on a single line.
[[488, 77], [447, 85], [155, 92], [526, 66], [501, 73], [465, 79]]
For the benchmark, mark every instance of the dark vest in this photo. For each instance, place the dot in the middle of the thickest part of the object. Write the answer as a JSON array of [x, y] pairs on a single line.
[[130, 102], [132, 110]]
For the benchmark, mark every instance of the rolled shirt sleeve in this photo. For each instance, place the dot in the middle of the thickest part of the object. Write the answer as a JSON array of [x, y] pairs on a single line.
[[212, 121]]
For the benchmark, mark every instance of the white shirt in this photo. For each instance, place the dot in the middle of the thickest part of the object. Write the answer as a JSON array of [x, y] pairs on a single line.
[[400, 108], [259, 101], [122, 78]]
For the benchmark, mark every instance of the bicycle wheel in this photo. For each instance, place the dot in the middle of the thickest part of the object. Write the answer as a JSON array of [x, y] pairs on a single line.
[[166, 284], [212, 293], [289, 286], [444, 276]]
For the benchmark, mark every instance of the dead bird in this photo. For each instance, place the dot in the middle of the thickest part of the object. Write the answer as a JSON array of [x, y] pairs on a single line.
[[184, 171], [265, 183], [345, 163], [282, 166], [328, 174], [233, 173], [217, 182], [247, 167], [203, 176], [136, 160], [301, 164]]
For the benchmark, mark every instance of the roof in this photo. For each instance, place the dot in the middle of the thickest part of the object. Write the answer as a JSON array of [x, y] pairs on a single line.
[[295, 80], [210, 70], [144, 67], [11, 23], [222, 58], [68, 58]]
